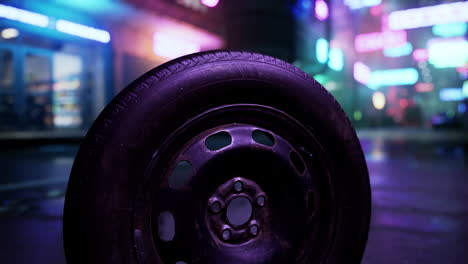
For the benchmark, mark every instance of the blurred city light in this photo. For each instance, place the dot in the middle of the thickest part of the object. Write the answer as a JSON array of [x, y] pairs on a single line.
[[357, 115], [405, 76], [379, 40], [23, 16], [424, 87], [356, 4], [421, 55], [465, 89], [210, 3], [336, 61], [361, 72], [448, 53], [9, 33], [451, 94], [403, 50], [321, 10], [82, 31], [321, 50], [450, 30], [428, 16], [378, 100], [170, 46]]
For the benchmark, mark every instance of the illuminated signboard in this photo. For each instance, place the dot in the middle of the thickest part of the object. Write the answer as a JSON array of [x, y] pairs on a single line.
[[450, 30], [356, 4], [448, 52], [379, 40], [428, 16], [465, 89], [82, 31], [403, 50], [405, 76], [61, 25], [23, 16]]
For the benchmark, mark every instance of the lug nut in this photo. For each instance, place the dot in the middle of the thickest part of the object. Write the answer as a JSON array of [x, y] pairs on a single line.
[[238, 185], [215, 207], [261, 201], [226, 234], [253, 230]]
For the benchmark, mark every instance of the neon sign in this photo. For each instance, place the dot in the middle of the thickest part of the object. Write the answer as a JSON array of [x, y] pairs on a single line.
[[448, 53], [404, 76], [336, 61], [23, 16], [356, 4], [450, 30], [403, 50], [379, 40], [428, 16], [424, 87], [82, 31], [61, 25]]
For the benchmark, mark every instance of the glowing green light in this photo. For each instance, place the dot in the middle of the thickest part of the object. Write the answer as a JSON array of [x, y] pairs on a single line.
[[357, 115], [321, 50], [405, 76], [448, 53], [322, 79], [450, 30], [404, 50], [336, 61]]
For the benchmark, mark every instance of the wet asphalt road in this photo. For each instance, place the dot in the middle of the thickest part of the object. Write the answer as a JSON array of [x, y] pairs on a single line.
[[420, 203]]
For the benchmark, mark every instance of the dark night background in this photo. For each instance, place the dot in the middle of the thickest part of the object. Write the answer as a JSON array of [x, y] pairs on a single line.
[[402, 80]]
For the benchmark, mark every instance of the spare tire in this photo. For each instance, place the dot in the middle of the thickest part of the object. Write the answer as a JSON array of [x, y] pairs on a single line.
[[219, 157]]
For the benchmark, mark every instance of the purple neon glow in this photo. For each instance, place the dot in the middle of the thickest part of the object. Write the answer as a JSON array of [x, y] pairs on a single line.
[[321, 10], [210, 3], [429, 16], [361, 73], [379, 40]]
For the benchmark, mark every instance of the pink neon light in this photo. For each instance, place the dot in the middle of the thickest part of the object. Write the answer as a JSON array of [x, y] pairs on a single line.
[[171, 46], [321, 10], [429, 16], [424, 87], [210, 3], [376, 10], [379, 40], [421, 55], [361, 73]]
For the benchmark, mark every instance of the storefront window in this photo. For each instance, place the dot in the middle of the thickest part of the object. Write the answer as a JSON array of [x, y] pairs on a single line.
[[7, 111]]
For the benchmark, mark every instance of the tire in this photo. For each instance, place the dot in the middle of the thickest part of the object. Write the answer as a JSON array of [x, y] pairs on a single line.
[[102, 223]]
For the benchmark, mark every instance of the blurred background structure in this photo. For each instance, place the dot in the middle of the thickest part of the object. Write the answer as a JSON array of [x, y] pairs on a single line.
[[398, 68]]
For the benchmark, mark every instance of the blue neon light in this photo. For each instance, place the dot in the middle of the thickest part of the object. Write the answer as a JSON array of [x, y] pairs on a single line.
[[405, 76], [336, 61], [404, 50], [82, 31], [321, 50], [23, 16], [451, 94], [61, 25]]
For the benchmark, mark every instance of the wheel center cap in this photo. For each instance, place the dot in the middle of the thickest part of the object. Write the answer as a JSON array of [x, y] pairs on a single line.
[[237, 211]]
